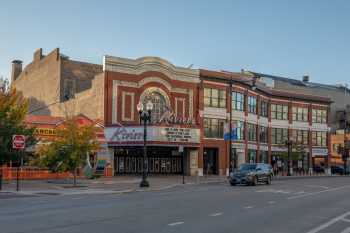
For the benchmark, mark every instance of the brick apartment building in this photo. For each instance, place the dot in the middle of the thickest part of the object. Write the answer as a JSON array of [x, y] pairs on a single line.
[[191, 109]]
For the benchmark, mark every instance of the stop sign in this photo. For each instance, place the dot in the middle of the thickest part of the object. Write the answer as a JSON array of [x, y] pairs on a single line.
[[18, 142]]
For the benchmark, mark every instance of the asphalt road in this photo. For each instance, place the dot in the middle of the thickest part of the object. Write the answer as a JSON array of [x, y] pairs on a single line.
[[316, 205]]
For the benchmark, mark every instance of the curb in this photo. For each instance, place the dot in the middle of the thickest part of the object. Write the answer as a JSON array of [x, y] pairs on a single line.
[[304, 177]]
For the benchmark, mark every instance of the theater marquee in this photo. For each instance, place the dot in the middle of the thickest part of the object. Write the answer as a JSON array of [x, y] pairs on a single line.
[[154, 134]]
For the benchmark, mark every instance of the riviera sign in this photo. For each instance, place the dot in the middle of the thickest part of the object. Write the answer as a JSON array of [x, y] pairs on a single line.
[[126, 134], [169, 118], [154, 133]]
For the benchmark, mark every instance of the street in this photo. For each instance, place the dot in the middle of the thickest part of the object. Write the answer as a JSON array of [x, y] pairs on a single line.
[[310, 205]]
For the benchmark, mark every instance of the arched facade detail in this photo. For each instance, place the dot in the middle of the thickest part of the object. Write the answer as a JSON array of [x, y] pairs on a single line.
[[160, 100]]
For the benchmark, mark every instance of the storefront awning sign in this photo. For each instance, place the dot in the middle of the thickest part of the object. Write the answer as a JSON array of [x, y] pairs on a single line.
[[154, 133]]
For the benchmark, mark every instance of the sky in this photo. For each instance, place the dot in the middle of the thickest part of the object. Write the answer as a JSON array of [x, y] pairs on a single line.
[[278, 37]]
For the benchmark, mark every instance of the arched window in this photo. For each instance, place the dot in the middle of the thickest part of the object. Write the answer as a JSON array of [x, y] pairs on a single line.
[[160, 104]]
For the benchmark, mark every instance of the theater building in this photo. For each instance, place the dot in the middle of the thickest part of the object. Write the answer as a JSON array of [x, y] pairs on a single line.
[[192, 109]]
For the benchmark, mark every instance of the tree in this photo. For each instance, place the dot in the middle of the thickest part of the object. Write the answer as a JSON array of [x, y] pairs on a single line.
[[69, 150], [13, 109]]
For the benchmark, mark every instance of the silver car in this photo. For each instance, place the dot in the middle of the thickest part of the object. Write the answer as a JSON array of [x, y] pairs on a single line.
[[252, 174]]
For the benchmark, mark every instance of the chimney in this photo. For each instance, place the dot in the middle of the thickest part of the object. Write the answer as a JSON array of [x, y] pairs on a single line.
[[306, 78], [16, 69], [38, 54]]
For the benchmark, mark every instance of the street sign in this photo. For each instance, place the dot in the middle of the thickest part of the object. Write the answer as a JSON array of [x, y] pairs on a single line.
[[18, 142]]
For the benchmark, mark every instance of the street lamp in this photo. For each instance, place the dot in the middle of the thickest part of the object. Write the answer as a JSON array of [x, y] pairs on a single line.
[[289, 142], [145, 116]]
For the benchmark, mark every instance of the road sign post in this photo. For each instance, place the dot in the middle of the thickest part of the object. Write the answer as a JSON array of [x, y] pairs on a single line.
[[18, 144], [0, 178], [181, 150]]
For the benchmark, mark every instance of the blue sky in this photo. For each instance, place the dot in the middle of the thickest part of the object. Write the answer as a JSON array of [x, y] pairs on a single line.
[[288, 38]]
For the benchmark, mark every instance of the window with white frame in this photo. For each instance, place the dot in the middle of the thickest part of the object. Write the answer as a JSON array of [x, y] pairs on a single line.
[[319, 138], [213, 128], [319, 116], [252, 104], [300, 114], [279, 112], [237, 101], [214, 98], [279, 135]]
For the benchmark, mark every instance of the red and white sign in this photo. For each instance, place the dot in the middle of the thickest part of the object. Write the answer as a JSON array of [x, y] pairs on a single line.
[[18, 142]]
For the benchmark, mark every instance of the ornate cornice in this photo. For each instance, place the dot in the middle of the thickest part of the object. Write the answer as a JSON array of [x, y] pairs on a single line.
[[144, 64]]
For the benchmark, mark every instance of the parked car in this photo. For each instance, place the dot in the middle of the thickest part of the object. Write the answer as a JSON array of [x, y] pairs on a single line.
[[251, 174], [337, 170]]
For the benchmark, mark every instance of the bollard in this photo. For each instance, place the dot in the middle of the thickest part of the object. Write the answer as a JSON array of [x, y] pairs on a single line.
[[0, 178], [17, 179]]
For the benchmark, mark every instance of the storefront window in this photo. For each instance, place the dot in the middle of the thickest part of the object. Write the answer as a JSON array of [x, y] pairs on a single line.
[[252, 104], [251, 156], [237, 101], [213, 128], [279, 136], [279, 112], [264, 157], [214, 98], [319, 138], [300, 114]]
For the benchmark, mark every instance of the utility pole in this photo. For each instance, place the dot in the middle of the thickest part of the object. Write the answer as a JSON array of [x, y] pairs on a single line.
[[230, 140], [346, 146]]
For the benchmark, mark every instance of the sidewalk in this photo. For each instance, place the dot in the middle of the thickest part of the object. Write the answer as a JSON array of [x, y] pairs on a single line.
[[117, 185]]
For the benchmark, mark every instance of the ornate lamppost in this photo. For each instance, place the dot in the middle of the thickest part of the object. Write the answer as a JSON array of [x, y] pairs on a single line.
[[289, 143], [145, 117]]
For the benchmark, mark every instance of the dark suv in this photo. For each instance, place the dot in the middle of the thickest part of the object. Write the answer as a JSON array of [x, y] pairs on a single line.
[[251, 174]]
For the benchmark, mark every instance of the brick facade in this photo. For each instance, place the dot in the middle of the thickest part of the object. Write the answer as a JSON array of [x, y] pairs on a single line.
[[127, 80]]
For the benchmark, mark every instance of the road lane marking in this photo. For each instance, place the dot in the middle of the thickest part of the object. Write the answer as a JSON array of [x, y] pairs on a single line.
[[175, 224], [271, 202], [315, 193], [316, 186], [347, 230], [283, 192], [330, 222], [248, 207], [265, 190], [216, 214], [346, 220]]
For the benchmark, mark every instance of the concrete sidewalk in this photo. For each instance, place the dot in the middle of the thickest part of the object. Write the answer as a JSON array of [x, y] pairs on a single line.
[[120, 184], [117, 185]]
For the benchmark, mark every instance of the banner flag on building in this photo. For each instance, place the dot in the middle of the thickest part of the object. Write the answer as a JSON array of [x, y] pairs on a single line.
[[233, 134]]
